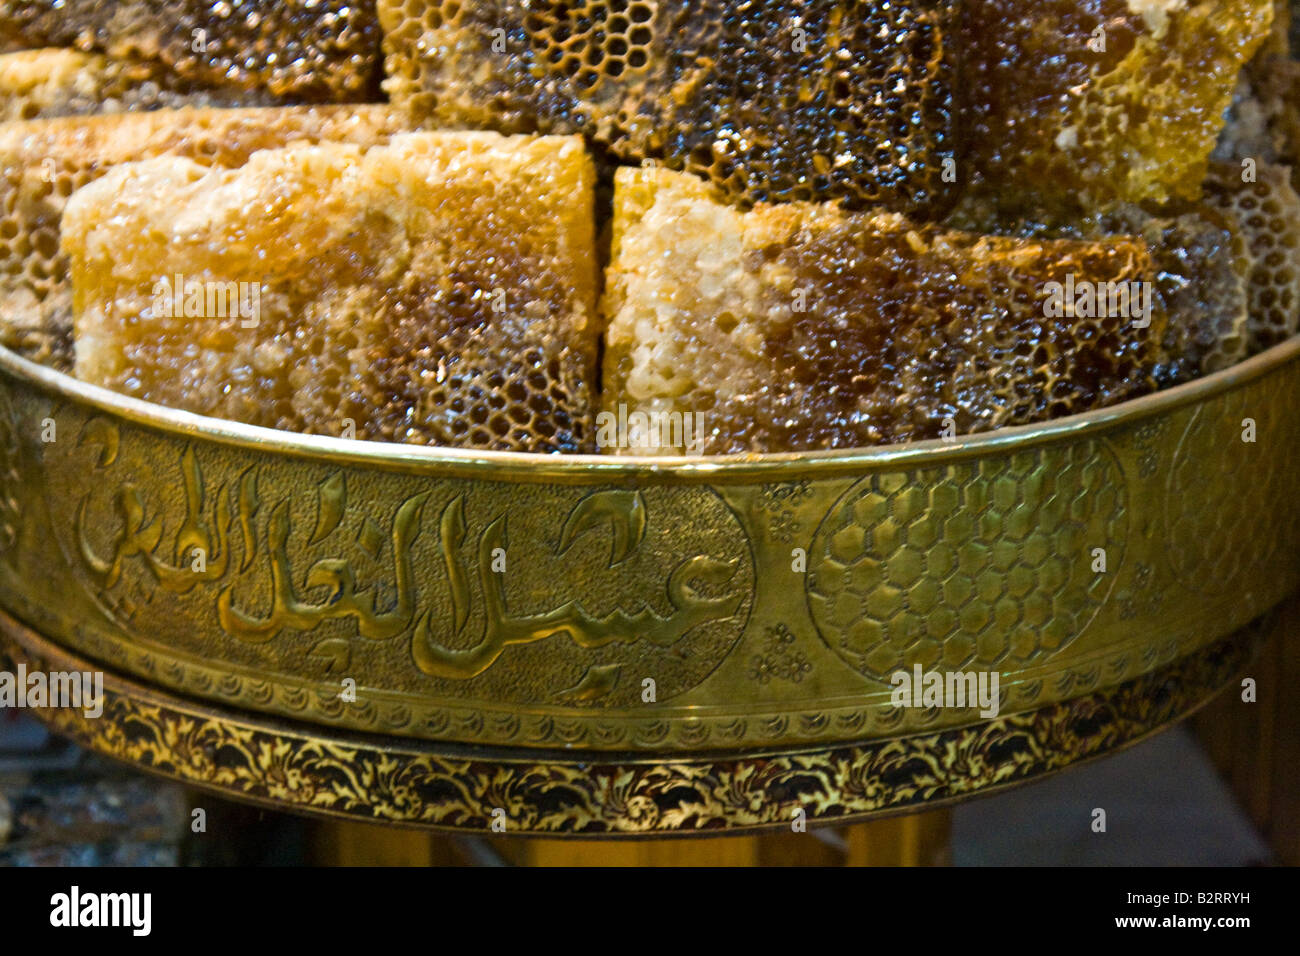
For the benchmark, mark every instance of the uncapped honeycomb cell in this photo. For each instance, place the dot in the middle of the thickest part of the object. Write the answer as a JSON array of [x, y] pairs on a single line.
[[44, 84], [1263, 202], [42, 162], [1102, 100], [304, 51], [802, 326], [438, 290], [1201, 254], [770, 101]]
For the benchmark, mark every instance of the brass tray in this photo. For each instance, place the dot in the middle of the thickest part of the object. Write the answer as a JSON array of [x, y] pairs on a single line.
[[597, 626]]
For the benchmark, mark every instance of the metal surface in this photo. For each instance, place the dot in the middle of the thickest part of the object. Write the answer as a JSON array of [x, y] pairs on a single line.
[[671, 609], [315, 770]]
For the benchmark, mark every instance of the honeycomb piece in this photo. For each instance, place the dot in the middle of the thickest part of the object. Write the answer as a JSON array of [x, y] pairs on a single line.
[[438, 290], [803, 326], [1202, 259], [1268, 211], [43, 161], [304, 51], [781, 100], [1103, 100], [1263, 121], [43, 84], [1202, 272]]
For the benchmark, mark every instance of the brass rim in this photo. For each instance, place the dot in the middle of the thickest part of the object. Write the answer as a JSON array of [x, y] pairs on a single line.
[[304, 769], [585, 469]]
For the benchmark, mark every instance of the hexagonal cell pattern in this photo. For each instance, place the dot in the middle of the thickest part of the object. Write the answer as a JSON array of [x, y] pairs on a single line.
[[1217, 481], [1268, 214], [778, 100], [43, 163], [439, 289], [979, 566]]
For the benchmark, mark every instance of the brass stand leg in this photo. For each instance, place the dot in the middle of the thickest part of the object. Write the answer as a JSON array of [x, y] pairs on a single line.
[[919, 839], [1256, 746], [914, 840], [718, 851], [343, 843]]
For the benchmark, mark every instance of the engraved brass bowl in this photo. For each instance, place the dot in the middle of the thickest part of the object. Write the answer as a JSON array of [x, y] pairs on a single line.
[[606, 645]]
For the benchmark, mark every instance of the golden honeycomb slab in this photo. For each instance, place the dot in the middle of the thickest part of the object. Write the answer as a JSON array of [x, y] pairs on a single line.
[[647, 606]]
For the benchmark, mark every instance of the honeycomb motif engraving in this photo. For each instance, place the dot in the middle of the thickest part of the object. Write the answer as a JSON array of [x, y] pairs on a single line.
[[1210, 496], [970, 566]]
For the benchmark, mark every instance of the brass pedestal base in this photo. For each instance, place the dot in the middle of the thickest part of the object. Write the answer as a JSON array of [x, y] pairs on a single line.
[[493, 792]]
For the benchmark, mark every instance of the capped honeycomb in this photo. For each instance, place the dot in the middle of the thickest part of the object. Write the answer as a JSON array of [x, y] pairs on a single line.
[[1103, 99], [802, 326], [437, 290], [770, 101], [1268, 212], [44, 161], [43, 84], [304, 51]]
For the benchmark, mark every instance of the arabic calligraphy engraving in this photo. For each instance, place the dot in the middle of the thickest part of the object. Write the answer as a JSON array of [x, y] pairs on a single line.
[[213, 526], [626, 512]]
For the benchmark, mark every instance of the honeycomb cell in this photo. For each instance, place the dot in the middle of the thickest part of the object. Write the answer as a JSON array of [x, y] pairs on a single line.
[[439, 289], [300, 51], [853, 329], [770, 101], [1090, 101], [43, 162]]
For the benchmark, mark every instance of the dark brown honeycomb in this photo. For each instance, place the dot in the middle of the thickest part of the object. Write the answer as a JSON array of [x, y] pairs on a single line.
[[1203, 268], [54, 82], [440, 289], [1202, 258], [796, 327], [1268, 211], [43, 162], [771, 101], [302, 51], [1133, 122]]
